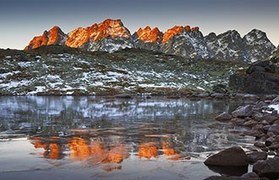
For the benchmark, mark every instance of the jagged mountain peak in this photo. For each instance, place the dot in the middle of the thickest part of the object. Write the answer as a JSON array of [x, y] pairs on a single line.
[[111, 35], [170, 33], [148, 34], [53, 36], [257, 45]]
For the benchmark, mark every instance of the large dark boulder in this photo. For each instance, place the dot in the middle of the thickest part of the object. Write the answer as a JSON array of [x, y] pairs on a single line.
[[268, 168], [260, 78], [234, 156]]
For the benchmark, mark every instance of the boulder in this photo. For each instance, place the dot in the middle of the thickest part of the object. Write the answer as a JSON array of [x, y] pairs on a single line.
[[251, 176], [268, 168], [243, 111], [234, 156], [274, 128], [223, 117], [256, 156], [275, 100], [261, 78]]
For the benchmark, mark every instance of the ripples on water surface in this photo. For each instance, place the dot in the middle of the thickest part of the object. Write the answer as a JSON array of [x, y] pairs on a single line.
[[88, 138]]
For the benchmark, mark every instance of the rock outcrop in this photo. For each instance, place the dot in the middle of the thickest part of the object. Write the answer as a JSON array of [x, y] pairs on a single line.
[[261, 78]]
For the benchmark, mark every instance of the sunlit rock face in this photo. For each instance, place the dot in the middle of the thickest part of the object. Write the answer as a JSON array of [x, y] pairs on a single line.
[[149, 35], [91, 38], [55, 36], [185, 41], [148, 38], [170, 33]]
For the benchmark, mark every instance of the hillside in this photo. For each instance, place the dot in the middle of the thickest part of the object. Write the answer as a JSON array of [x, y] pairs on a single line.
[[59, 70]]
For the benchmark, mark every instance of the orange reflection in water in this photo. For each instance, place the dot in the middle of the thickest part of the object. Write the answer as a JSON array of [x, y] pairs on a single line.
[[52, 148], [82, 149], [148, 150], [79, 149], [169, 151], [96, 151]]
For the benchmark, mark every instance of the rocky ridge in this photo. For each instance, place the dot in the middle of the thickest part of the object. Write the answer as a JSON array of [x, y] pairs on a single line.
[[112, 35]]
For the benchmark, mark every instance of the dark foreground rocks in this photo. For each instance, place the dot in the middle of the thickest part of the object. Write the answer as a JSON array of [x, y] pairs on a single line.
[[260, 120], [268, 168], [262, 77], [246, 176], [234, 156]]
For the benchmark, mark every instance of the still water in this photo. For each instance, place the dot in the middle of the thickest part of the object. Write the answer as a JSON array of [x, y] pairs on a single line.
[[101, 138]]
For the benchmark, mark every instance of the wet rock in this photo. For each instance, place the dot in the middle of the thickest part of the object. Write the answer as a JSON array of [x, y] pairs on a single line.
[[256, 156], [237, 121], [276, 139], [259, 144], [250, 123], [274, 129], [221, 178], [276, 100], [251, 176], [223, 117], [274, 146], [268, 168], [229, 170], [270, 118], [257, 116], [234, 156], [276, 122], [243, 111], [269, 141]]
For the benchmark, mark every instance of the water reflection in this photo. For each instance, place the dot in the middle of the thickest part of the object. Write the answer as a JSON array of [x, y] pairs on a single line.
[[111, 132]]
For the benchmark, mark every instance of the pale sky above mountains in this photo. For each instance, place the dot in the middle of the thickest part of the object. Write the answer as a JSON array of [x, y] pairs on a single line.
[[21, 20]]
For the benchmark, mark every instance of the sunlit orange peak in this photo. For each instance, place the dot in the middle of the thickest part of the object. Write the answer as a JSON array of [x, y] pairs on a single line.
[[108, 28], [170, 33], [54, 36], [149, 35]]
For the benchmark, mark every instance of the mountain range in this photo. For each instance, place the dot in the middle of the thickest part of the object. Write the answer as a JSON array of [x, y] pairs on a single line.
[[111, 35]]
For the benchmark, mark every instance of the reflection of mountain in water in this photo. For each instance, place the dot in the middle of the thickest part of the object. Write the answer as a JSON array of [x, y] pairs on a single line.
[[94, 151], [84, 126]]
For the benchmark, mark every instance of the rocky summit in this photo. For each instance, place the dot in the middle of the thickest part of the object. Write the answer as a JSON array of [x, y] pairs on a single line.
[[111, 35]]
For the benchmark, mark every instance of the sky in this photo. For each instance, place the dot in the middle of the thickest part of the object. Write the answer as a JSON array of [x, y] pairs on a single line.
[[21, 20]]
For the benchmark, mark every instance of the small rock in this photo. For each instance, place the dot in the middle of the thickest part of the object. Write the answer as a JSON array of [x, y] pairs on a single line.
[[275, 100], [274, 146], [256, 156], [251, 176], [259, 144], [243, 111], [274, 129], [237, 121], [234, 156], [250, 123], [268, 168], [269, 141], [270, 118], [223, 117]]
